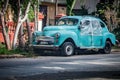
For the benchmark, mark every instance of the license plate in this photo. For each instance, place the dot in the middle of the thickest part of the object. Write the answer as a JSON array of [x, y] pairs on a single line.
[[43, 42]]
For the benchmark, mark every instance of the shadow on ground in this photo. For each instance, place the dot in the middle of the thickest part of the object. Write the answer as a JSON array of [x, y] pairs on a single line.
[[106, 75], [57, 53]]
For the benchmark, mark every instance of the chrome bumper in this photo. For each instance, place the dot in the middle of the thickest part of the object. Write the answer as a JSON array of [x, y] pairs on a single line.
[[52, 47]]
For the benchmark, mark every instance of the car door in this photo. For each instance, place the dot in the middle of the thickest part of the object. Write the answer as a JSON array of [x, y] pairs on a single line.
[[85, 33], [96, 33]]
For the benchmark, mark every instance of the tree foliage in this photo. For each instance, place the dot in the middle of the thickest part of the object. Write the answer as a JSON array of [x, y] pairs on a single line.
[[108, 12], [21, 9], [70, 5]]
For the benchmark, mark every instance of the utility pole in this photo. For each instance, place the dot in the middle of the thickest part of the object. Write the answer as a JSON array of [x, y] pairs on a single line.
[[56, 8], [37, 14]]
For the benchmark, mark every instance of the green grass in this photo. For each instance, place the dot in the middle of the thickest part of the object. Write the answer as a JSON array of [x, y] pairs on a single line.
[[115, 47], [4, 51]]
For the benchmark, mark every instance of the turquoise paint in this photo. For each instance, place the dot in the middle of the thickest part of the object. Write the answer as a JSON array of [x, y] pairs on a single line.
[[84, 36]]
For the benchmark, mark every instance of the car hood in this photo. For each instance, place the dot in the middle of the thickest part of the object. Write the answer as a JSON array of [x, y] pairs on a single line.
[[54, 28]]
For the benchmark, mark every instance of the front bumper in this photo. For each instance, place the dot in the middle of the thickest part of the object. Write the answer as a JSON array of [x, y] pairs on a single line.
[[45, 47], [44, 42]]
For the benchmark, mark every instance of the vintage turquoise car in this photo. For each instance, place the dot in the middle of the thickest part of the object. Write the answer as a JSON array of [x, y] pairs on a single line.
[[73, 33]]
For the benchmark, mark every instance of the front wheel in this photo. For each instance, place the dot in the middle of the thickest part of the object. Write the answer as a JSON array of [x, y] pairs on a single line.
[[107, 48], [67, 49]]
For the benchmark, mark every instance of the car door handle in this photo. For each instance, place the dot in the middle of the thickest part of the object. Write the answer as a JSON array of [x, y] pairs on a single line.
[[90, 33]]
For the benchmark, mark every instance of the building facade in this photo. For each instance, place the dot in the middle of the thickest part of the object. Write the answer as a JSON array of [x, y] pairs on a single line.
[[51, 8]]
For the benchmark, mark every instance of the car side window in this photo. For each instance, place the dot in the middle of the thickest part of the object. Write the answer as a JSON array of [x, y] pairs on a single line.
[[85, 27], [86, 23], [96, 27], [102, 24]]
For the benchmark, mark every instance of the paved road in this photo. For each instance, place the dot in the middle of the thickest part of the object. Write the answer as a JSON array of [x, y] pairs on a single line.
[[96, 66]]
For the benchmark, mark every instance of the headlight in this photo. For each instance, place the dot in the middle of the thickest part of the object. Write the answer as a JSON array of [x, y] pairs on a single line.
[[33, 34], [57, 35]]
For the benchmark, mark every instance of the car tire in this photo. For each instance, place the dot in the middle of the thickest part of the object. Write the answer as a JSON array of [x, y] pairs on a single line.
[[107, 48], [67, 49]]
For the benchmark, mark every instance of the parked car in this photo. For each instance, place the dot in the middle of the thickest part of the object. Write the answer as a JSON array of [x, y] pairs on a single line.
[[75, 32]]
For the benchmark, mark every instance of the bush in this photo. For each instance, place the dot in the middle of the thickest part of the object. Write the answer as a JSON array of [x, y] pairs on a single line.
[[3, 50], [116, 31]]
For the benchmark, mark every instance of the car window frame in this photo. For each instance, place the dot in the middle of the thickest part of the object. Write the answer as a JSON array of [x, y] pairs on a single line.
[[99, 32]]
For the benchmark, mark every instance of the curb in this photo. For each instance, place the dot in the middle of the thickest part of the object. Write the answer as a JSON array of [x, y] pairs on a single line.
[[115, 50], [11, 56]]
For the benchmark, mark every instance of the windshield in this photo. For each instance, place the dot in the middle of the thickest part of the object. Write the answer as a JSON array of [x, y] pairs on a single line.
[[67, 22]]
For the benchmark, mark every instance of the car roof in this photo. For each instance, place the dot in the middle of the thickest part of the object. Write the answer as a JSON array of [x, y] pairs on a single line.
[[83, 17], [77, 17]]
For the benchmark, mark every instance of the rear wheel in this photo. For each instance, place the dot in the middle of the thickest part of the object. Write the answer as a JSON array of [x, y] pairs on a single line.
[[107, 48], [67, 49]]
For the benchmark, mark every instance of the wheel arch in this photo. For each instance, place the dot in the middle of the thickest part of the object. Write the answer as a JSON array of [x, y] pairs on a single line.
[[107, 47], [69, 40], [108, 39]]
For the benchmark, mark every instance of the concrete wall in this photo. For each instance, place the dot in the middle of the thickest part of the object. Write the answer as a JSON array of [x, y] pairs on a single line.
[[50, 20], [89, 4]]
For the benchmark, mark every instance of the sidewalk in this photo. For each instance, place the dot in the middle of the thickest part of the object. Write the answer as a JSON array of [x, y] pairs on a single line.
[[115, 50]]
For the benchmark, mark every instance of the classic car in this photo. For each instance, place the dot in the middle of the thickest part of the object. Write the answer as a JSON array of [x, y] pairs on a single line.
[[72, 33]]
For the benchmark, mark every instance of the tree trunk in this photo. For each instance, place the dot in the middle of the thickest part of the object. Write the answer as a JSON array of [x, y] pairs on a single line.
[[29, 32], [2, 22], [70, 6], [21, 38], [35, 20], [19, 23], [5, 35], [16, 34]]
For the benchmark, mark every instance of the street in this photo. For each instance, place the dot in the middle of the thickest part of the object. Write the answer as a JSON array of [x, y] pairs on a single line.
[[92, 66]]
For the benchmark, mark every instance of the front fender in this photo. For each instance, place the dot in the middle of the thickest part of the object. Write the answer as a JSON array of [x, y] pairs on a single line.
[[34, 35], [64, 36]]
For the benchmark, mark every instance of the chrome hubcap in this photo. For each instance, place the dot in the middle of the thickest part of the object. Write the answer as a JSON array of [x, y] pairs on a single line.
[[69, 50]]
